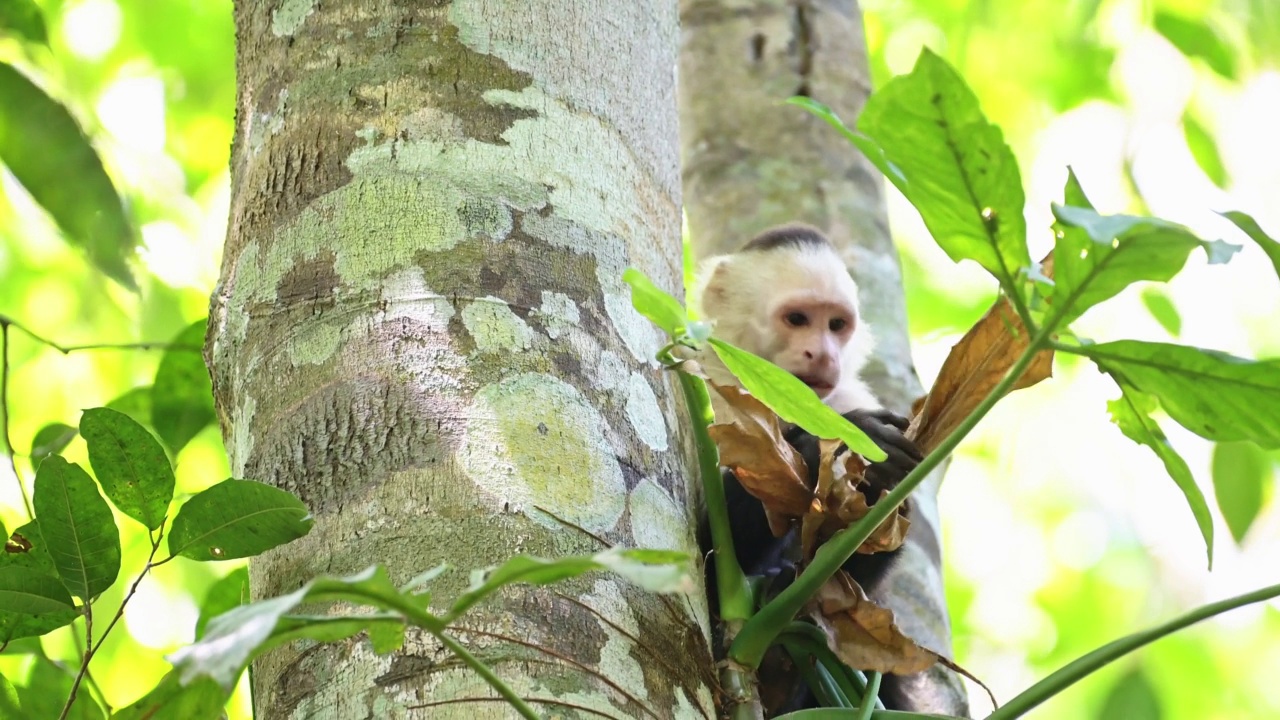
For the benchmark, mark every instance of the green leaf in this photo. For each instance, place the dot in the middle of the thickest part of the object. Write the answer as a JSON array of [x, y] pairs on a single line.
[[1241, 472], [1132, 414], [1161, 307], [1214, 395], [1255, 233], [130, 464], [1132, 698], [78, 528], [653, 570], [1204, 148], [50, 439], [235, 519], [230, 591], [25, 552], [1113, 252], [952, 165], [866, 145], [387, 637], [47, 689], [23, 18], [232, 639], [30, 592], [792, 400], [182, 395], [9, 706], [46, 151], [1196, 39], [654, 303], [201, 699], [136, 403]]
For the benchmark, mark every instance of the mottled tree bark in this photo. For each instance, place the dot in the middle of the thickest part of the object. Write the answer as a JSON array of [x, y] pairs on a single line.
[[421, 329], [750, 163]]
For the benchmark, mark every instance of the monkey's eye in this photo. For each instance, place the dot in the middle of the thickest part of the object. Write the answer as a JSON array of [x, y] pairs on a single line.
[[796, 319], [838, 324]]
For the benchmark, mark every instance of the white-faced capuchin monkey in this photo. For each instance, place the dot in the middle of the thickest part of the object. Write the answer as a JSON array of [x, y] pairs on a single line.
[[788, 297]]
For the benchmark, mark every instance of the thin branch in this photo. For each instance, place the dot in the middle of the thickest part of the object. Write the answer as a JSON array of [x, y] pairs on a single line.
[[4, 414], [562, 658], [88, 615], [88, 676], [6, 321], [538, 701]]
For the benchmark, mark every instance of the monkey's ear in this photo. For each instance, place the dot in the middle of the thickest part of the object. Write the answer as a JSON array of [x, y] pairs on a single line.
[[713, 285]]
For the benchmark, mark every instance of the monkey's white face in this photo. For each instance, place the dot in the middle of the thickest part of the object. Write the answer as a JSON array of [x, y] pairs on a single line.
[[810, 332]]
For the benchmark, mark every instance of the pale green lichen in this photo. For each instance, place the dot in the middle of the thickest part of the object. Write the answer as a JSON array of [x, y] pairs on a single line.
[[534, 440], [656, 520], [495, 328], [286, 19], [616, 659], [241, 445], [558, 313], [645, 414], [314, 343]]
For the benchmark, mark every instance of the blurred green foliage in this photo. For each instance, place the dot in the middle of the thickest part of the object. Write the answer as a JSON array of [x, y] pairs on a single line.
[[1059, 536]]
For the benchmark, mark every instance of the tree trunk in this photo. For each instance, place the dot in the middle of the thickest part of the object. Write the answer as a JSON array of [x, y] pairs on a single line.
[[750, 163], [421, 329]]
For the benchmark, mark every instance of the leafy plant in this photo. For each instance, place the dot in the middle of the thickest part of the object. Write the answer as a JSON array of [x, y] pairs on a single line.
[[926, 133]]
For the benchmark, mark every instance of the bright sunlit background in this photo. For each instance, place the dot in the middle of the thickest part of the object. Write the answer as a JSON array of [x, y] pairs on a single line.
[[1061, 534]]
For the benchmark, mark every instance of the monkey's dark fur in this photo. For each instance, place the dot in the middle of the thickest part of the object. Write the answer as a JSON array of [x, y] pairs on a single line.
[[773, 558]]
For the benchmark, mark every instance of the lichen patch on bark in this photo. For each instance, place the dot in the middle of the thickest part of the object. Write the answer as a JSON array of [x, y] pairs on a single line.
[[535, 441]]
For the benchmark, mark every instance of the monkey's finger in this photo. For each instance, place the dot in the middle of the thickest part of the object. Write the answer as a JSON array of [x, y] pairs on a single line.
[[888, 417]]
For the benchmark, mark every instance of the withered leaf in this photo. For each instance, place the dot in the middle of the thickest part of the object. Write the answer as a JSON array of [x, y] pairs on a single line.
[[976, 365], [840, 500], [752, 445], [862, 634]]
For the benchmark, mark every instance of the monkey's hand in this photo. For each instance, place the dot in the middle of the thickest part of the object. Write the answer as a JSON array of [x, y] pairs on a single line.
[[885, 429]]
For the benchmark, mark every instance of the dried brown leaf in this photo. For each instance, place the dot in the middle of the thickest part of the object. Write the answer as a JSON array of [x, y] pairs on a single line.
[[863, 634], [752, 445], [976, 365]]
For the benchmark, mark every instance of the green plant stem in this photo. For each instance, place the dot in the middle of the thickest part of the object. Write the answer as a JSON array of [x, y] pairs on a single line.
[[432, 624], [813, 641], [762, 629], [873, 691], [731, 584], [1086, 664], [821, 681], [4, 415]]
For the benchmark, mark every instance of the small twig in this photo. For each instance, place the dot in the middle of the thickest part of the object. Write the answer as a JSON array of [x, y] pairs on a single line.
[[88, 617], [6, 321], [88, 675], [562, 658], [538, 701], [4, 414]]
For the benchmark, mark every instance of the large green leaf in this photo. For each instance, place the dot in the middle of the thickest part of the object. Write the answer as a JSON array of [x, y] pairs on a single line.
[[31, 592], [792, 400], [9, 706], [78, 528], [233, 638], [136, 403], [24, 19], [1255, 232], [954, 166], [26, 551], [50, 439], [130, 464], [1196, 39], [235, 519], [1241, 472], [47, 689], [1113, 252], [1215, 395], [654, 570], [1132, 414], [655, 304], [182, 394], [44, 148], [230, 591], [1132, 698], [200, 699]]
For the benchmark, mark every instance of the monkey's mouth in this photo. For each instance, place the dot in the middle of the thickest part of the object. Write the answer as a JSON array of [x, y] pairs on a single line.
[[818, 385]]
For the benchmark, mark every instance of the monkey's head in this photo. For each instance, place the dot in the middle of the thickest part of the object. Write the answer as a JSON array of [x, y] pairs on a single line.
[[787, 297]]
